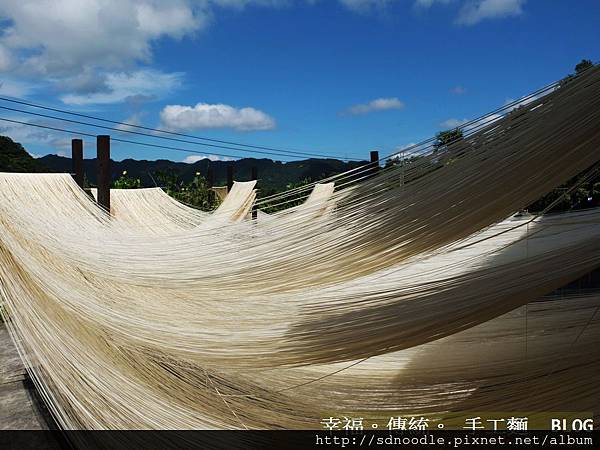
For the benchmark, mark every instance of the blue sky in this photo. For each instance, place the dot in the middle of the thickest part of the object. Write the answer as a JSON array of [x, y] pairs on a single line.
[[337, 77]]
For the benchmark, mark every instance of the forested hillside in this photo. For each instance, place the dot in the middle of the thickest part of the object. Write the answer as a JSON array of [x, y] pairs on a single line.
[[14, 158], [274, 176]]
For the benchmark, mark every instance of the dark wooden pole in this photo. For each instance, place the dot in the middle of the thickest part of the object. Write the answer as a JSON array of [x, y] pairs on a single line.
[[77, 161], [374, 162], [229, 177], [210, 183], [103, 175], [254, 208]]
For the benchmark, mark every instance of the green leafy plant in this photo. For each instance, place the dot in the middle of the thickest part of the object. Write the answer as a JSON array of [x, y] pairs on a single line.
[[195, 193], [126, 182], [291, 200]]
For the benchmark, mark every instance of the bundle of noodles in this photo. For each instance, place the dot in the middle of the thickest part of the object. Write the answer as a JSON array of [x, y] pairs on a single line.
[[187, 323]]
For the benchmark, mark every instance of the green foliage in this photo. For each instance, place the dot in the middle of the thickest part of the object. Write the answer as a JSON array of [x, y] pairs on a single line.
[[569, 198], [445, 138], [274, 175], [126, 182], [290, 200], [14, 158], [583, 65], [584, 196], [398, 161], [194, 193], [183, 181], [168, 179]]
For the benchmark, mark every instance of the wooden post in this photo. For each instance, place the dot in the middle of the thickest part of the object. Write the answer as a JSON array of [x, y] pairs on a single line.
[[77, 161], [254, 208], [103, 171], [210, 182], [374, 162], [229, 177]]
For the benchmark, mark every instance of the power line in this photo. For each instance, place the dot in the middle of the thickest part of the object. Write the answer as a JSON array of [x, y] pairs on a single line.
[[277, 151], [126, 141], [139, 133]]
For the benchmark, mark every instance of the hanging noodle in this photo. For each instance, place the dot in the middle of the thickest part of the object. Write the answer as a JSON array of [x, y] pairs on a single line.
[[213, 321]]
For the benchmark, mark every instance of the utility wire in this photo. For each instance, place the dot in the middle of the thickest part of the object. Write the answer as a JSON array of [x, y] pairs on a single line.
[[427, 145], [139, 133], [173, 133], [409, 150], [126, 141]]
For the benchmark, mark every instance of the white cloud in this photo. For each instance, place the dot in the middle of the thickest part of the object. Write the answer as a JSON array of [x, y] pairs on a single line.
[[360, 6], [28, 135], [475, 11], [522, 101], [458, 90], [241, 4], [380, 104], [400, 150], [121, 86], [429, 3], [453, 123], [62, 37], [404, 147], [85, 82], [62, 145], [484, 122], [5, 59], [135, 119], [195, 158], [12, 88], [205, 115], [365, 5], [88, 49]]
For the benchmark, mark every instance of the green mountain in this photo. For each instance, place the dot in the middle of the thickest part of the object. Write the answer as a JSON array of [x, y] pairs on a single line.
[[14, 158], [274, 176]]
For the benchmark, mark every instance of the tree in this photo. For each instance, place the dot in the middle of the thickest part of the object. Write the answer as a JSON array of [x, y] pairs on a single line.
[[14, 158], [194, 193], [579, 69], [445, 138], [583, 65]]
